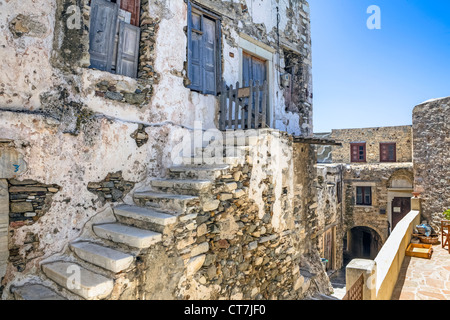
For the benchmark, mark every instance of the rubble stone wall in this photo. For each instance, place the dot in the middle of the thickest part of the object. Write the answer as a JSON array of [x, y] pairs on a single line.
[[431, 136]]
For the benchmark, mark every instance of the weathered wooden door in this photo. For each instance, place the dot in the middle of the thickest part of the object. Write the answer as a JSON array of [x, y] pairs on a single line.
[[328, 252], [253, 69], [101, 33], [128, 50], [400, 208]]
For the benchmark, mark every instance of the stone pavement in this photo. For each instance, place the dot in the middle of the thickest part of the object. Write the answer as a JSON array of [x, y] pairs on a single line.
[[424, 279], [337, 280]]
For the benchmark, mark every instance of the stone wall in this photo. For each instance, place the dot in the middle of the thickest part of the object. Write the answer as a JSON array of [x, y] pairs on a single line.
[[431, 132], [29, 200], [330, 212], [401, 135]]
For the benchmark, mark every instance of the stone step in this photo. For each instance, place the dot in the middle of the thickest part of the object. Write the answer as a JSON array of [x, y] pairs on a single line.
[[183, 186], [35, 291], [102, 256], [157, 220], [81, 281], [165, 201], [131, 236], [198, 172]]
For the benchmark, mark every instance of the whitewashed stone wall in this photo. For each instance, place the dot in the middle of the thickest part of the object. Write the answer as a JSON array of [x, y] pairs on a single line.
[[70, 132]]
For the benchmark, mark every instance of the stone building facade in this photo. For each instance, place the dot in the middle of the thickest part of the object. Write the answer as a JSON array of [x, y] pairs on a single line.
[[431, 133], [90, 130], [374, 166]]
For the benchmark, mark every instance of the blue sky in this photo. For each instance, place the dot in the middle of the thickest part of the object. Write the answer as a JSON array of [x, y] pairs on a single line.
[[371, 78]]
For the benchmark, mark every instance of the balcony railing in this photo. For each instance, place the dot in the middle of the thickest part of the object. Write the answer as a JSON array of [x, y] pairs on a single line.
[[356, 291], [243, 108]]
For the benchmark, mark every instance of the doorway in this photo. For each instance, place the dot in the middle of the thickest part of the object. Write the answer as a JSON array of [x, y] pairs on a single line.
[[401, 206], [363, 242]]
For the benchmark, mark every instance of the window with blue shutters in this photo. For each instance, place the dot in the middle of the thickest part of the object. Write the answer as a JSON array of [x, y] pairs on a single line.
[[203, 50], [114, 36]]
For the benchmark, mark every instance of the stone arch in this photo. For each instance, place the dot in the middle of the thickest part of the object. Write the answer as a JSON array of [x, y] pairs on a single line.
[[363, 241], [401, 178]]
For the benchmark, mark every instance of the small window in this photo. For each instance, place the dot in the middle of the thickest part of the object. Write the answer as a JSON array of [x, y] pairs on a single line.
[[364, 196], [114, 36], [388, 152], [203, 50], [358, 152]]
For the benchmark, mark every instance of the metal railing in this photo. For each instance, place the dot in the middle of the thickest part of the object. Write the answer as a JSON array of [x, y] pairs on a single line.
[[244, 108], [356, 291]]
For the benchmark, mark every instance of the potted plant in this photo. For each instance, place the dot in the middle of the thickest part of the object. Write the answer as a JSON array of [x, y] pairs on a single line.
[[446, 214]]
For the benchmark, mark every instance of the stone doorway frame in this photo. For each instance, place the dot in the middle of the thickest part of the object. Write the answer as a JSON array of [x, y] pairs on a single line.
[[396, 193]]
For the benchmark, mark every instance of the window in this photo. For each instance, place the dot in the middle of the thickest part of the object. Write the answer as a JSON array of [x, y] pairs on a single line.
[[364, 196], [358, 152], [114, 36], [253, 68], [203, 50], [388, 152]]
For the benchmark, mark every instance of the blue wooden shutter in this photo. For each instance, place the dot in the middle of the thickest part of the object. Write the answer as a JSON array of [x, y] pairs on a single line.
[[209, 56], [101, 33], [194, 50], [128, 50]]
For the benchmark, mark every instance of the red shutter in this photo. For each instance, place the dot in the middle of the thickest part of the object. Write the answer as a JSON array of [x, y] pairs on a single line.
[[354, 150], [133, 6], [388, 152], [358, 152]]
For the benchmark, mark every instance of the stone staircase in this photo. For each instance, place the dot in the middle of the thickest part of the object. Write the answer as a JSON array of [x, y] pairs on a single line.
[[140, 226]]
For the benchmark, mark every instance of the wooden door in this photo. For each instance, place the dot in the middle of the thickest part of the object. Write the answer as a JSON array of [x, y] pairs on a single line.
[[101, 33], [400, 208], [254, 69], [328, 248]]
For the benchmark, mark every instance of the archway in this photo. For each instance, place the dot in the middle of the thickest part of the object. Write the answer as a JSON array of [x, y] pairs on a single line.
[[363, 242]]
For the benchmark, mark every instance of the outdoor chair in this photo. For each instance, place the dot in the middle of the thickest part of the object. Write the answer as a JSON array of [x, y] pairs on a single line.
[[445, 231]]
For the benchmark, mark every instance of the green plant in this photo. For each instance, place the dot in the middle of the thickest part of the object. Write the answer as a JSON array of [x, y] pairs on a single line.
[[446, 214]]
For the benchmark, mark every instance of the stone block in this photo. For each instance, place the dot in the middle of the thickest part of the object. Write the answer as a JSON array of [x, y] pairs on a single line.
[[201, 248], [211, 205], [11, 163], [238, 193], [229, 187], [225, 196], [194, 264], [21, 207]]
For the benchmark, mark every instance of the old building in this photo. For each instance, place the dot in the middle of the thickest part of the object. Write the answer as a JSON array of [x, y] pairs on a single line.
[[369, 178], [120, 123]]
